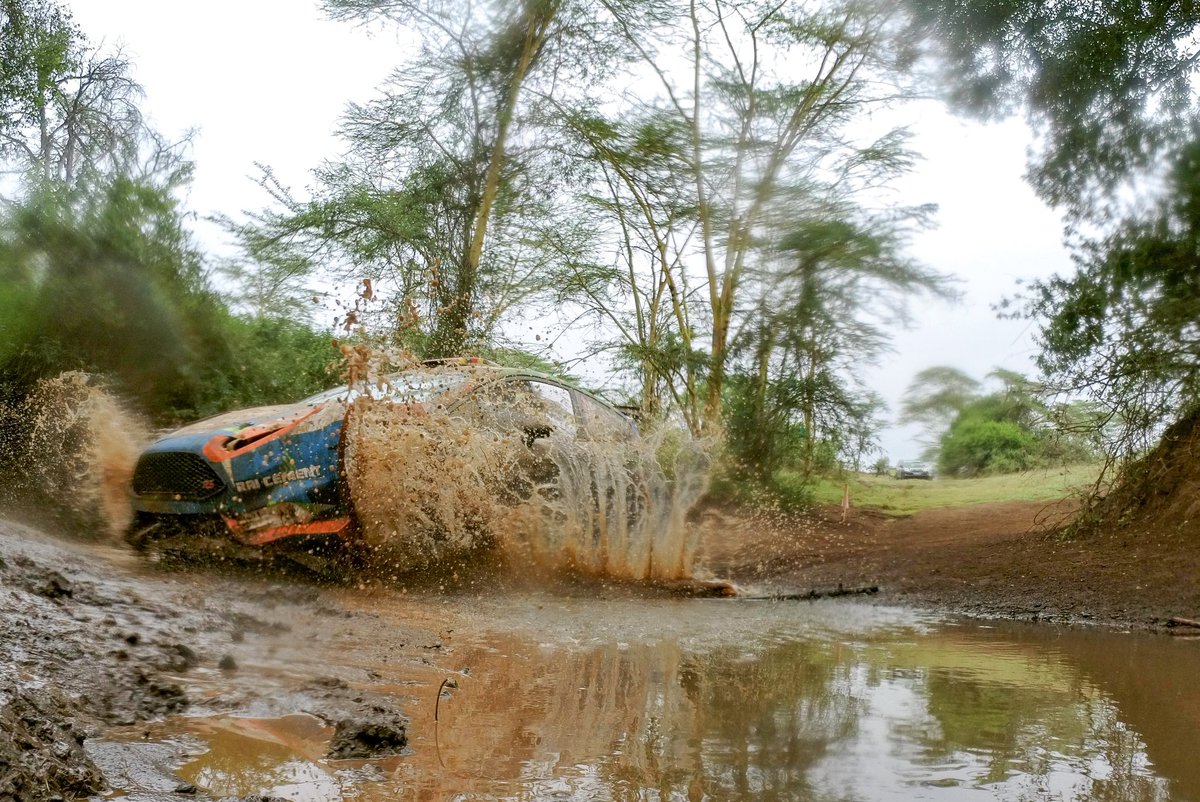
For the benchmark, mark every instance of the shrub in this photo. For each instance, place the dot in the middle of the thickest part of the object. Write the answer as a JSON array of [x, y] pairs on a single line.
[[975, 446]]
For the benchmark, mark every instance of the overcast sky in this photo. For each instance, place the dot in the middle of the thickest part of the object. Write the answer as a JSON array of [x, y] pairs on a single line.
[[265, 81]]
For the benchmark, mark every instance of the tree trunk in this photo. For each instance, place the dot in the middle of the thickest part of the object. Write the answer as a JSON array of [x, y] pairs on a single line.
[[453, 322]]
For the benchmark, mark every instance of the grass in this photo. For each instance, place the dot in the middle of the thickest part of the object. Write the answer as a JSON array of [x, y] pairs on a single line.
[[904, 497]]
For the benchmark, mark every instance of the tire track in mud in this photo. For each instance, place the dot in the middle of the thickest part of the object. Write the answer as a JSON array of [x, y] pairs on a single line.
[[91, 644]]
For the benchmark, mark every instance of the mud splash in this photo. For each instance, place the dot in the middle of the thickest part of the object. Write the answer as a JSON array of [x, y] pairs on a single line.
[[620, 508], [73, 445], [526, 466], [426, 488]]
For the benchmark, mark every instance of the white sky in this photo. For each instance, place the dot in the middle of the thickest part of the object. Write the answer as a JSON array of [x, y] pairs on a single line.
[[266, 80]]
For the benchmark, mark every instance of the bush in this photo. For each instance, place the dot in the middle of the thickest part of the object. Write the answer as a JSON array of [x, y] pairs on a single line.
[[976, 446]]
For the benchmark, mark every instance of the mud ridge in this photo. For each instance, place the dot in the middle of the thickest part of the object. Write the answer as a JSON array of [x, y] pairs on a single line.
[[90, 646]]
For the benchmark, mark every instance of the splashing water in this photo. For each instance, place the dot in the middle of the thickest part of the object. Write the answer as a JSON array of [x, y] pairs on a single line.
[[73, 445], [616, 510], [424, 488], [502, 471]]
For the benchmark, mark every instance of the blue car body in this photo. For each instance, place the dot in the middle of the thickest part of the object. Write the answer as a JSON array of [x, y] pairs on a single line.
[[270, 474], [266, 473]]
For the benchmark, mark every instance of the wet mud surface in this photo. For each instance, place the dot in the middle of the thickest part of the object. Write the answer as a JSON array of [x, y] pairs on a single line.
[[93, 639], [994, 560], [348, 685]]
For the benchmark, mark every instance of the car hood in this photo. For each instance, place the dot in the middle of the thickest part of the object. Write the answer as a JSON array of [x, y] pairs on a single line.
[[233, 422]]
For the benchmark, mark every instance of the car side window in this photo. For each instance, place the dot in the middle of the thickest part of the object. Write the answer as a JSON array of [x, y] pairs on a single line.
[[599, 422], [556, 407], [535, 409]]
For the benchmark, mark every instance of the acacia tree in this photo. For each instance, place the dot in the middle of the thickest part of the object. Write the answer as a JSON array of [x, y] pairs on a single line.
[[825, 304], [64, 107], [763, 92], [445, 197], [935, 396], [643, 230]]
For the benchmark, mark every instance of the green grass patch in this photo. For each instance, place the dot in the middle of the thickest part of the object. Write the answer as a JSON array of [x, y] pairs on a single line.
[[904, 497]]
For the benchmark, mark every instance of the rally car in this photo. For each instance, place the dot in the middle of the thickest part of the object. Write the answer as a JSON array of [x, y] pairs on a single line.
[[272, 478]]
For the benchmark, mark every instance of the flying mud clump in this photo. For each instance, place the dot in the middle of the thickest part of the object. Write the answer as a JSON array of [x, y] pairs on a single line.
[[69, 448], [510, 469]]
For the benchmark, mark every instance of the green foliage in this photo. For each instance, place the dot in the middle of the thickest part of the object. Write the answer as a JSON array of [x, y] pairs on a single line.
[[1122, 328], [1011, 429], [65, 109], [826, 300], [762, 430], [1108, 84], [977, 445], [936, 395], [268, 361], [103, 277], [98, 271], [785, 491]]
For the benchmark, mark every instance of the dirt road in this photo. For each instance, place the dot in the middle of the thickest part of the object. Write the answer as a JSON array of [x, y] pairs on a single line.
[[1000, 559]]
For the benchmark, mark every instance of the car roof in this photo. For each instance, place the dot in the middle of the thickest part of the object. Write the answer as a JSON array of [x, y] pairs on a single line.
[[495, 371]]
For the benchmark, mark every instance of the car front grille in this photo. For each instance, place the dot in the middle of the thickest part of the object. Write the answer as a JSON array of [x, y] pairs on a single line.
[[177, 474]]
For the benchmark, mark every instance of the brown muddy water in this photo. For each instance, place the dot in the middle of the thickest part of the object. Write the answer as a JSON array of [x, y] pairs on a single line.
[[557, 696]]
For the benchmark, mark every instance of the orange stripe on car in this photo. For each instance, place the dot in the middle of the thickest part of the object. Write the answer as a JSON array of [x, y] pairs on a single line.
[[217, 449], [330, 527]]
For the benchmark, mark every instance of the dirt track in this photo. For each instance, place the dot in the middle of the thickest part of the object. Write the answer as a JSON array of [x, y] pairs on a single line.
[[1000, 559]]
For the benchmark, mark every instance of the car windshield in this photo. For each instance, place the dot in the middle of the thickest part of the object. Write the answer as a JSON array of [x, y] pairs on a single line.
[[400, 387]]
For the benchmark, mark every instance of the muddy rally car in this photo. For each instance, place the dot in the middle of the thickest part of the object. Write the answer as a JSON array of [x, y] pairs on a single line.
[[274, 481]]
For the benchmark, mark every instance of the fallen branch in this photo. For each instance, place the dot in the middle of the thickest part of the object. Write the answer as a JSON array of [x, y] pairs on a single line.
[[1182, 622], [817, 594], [701, 588], [723, 588]]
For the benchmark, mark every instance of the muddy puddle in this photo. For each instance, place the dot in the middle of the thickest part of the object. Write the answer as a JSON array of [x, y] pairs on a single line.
[[604, 696]]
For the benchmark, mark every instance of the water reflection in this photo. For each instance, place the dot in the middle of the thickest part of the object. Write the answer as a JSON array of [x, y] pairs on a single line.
[[776, 713]]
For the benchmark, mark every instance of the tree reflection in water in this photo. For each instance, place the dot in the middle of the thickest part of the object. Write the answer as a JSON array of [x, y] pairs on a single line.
[[951, 713]]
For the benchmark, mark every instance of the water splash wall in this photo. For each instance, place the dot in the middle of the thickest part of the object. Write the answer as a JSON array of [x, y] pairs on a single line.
[[620, 508], [72, 445], [425, 488], [428, 485]]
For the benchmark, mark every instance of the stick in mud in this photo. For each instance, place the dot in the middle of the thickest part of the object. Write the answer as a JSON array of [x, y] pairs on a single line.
[[446, 683], [832, 593], [1176, 621]]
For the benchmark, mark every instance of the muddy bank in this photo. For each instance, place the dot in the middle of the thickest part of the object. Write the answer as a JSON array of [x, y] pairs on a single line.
[[92, 639], [1005, 560]]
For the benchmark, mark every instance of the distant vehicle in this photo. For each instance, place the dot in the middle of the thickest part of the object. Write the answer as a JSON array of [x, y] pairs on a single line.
[[273, 476], [913, 469]]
